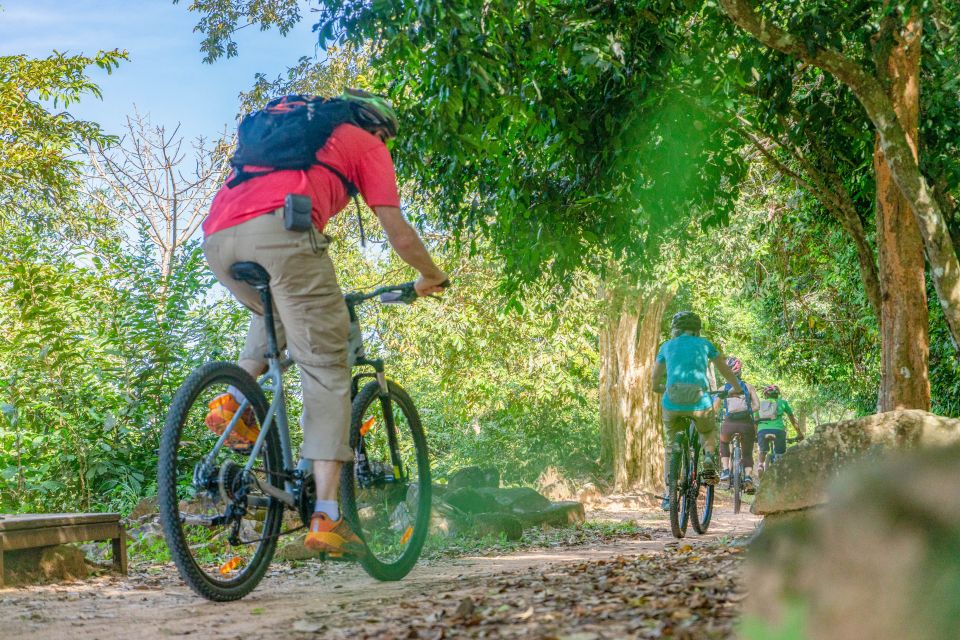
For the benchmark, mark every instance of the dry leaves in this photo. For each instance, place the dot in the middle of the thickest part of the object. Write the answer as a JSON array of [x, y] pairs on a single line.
[[674, 594]]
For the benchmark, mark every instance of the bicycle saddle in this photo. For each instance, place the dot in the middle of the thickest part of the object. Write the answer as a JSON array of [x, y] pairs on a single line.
[[251, 273]]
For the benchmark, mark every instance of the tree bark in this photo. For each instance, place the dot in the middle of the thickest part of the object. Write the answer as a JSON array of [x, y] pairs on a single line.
[[904, 330], [893, 140], [630, 416]]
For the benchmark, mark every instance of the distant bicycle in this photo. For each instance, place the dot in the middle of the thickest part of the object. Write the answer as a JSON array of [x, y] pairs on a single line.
[[768, 445], [222, 508], [691, 501], [736, 472]]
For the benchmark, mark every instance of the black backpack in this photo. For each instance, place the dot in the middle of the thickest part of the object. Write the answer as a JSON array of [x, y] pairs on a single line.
[[286, 134]]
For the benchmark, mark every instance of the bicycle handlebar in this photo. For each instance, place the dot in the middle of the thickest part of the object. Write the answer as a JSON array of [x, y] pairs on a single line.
[[404, 293]]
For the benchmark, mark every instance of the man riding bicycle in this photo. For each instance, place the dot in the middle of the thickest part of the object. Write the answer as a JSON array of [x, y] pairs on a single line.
[[681, 372], [772, 410], [246, 223]]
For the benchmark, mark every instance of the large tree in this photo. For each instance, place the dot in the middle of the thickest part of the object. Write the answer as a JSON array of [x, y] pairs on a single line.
[[857, 44]]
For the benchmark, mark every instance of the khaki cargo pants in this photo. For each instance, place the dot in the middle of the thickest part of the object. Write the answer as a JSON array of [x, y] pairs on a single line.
[[674, 421], [311, 319]]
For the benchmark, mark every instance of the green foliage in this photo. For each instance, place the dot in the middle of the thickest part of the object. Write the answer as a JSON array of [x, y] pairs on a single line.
[[35, 143], [89, 359], [550, 128], [509, 386], [221, 19]]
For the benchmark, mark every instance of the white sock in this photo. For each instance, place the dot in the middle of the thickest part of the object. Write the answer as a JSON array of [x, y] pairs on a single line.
[[239, 397], [329, 507]]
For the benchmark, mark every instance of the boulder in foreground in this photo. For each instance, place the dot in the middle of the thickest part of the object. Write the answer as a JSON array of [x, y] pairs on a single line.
[[800, 478]]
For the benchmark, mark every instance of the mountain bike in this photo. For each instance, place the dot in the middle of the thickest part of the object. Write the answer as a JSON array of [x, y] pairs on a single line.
[[222, 509], [688, 504], [736, 472]]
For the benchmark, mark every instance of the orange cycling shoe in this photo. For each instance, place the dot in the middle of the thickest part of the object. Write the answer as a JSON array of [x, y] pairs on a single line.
[[244, 433], [333, 536]]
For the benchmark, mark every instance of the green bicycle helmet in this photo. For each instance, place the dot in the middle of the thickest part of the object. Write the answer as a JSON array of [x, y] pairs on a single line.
[[372, 111]]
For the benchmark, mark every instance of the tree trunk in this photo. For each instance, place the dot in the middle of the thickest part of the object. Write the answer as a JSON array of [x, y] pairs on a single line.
[[630, 416], [904, 383]]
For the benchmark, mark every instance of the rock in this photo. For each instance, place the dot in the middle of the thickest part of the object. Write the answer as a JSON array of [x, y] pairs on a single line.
[[589, 494], [472, 501], [295, 550], [880, 560], [147, 506], [146, 531], [57, 563], [521, 499], [555, 486], [494, 524], [799, 479], [442, 524], [474, 478], [557, 514]]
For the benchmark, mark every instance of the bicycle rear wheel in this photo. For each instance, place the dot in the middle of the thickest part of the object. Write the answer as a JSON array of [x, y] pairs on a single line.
[[202, 506], [736, 476], [386, 490], [702, 511], [679, 486]]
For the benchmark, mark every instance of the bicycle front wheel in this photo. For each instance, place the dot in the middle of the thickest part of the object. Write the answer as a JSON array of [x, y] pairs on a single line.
[[221, 533], [385, 491], [702, 511]]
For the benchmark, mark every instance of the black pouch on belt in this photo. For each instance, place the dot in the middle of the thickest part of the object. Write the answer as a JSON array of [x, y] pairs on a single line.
[[297, 212]]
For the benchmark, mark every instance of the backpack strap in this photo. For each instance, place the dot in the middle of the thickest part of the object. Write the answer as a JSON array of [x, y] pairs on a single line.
[[352, 192]]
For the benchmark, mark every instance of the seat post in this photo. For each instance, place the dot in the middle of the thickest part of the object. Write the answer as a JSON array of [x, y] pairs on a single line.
[[266, 300]]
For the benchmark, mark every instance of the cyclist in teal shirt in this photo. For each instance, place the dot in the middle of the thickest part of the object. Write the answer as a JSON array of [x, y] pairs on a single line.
[[681, 372]]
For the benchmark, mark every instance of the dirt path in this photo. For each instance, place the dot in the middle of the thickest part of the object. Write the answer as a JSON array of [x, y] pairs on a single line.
[[533, 594]]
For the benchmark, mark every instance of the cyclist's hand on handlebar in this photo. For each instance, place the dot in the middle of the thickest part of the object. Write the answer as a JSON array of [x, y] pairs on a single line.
[[435, 283]]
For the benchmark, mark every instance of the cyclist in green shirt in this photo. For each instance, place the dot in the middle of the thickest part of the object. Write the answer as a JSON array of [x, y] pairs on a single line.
[[772, 410]]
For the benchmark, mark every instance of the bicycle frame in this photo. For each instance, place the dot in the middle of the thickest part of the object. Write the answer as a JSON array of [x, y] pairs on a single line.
[[272, 381]]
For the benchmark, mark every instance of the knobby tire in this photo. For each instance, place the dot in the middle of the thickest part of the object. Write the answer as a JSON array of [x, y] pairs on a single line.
[[167, 483], [389, 571]]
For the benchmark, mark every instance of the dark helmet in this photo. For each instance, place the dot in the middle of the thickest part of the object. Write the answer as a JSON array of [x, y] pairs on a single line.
[[685, 321], [735, 364], [771, 391], [373, 112]]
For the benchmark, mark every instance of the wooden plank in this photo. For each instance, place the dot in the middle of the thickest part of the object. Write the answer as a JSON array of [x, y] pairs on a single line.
[[40, 520], [48, 536]]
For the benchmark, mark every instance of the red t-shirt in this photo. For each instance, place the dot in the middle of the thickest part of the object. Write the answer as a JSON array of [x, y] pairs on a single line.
[[359, 155]]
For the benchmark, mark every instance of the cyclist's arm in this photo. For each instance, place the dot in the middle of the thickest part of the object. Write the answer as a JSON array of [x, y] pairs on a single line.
[[408, 245], [720, 362], [755, 403], [658, 380]]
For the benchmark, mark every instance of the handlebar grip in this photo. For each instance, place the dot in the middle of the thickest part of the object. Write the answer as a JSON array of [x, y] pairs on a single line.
[[403, 295]]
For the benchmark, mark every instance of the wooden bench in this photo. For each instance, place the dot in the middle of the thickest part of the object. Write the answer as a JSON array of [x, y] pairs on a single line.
[[43, 530]]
